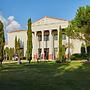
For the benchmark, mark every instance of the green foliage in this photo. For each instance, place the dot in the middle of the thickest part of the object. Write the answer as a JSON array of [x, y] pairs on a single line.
[[16, 44], [82, 45], [9, 52], [18, 49], [60, 45], [87, 44], [6, 50], [79, 27], [29, 40], [2, 41], [78, 56]]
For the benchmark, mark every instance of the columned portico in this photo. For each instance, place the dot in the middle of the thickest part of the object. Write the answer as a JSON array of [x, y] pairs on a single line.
[[46, 42], [47, 36]]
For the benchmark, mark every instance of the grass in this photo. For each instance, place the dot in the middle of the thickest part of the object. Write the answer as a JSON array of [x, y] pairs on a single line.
[[45, 76]]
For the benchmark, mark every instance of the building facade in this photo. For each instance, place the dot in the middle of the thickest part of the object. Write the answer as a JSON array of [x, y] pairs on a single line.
[[45, 38]]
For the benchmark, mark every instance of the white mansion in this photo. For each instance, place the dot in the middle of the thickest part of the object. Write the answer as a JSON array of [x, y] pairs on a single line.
[[45, 36]]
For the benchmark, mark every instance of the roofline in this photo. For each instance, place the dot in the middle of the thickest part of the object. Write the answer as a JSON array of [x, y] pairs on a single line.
[[57, 18], [17, 31], [51, 18]]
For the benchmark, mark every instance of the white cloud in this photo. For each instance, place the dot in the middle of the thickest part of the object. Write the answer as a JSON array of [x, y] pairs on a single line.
[[12, 24], [10, 19]]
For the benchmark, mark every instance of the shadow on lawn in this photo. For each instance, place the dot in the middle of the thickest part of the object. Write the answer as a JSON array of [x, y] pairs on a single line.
[[46, 76], [11, 66], [41, 67], [75, 77]]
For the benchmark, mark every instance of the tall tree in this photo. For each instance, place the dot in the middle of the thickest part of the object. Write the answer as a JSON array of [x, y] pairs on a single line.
[[29, 41], [11, 53], [6, 50], [60, 44], [79, 27], [18, 47], [16, 42], [2, 42]]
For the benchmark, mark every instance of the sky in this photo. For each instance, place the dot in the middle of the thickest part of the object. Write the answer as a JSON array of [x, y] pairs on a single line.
[[17, 12]]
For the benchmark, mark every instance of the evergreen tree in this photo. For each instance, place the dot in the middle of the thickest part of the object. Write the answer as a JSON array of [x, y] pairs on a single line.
[[2, 42], [18, 47], [16, 42], [7, 53], [29, 41], [11, 53], [60, 44]]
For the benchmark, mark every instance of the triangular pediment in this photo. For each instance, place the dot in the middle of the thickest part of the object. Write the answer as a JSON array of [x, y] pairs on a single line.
[[48, 20]]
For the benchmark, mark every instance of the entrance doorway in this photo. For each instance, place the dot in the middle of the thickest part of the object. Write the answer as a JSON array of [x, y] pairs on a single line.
[[46, 52], [39, 53]]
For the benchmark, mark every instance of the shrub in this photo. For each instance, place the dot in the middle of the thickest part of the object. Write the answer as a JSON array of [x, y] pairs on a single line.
[[78, 56], [58, 61]]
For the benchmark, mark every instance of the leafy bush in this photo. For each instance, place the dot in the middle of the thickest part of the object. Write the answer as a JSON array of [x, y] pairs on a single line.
[[78, 56], [58, 61]]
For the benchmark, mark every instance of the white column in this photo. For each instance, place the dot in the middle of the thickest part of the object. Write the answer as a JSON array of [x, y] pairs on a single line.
[[42, 44], [51, 45], [35, 46], [33, 50], [58, 39]]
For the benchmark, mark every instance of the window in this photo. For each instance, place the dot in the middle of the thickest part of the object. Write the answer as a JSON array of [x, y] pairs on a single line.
[[55, 37], [39, 53], [55, 52], [39, 37], [46, 37], [63, 36]]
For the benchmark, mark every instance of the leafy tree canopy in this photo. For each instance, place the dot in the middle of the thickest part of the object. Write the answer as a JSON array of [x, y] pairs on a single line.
[[79, 27]]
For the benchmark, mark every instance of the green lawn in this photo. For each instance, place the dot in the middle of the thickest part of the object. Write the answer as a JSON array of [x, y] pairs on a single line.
[[45, 76]]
